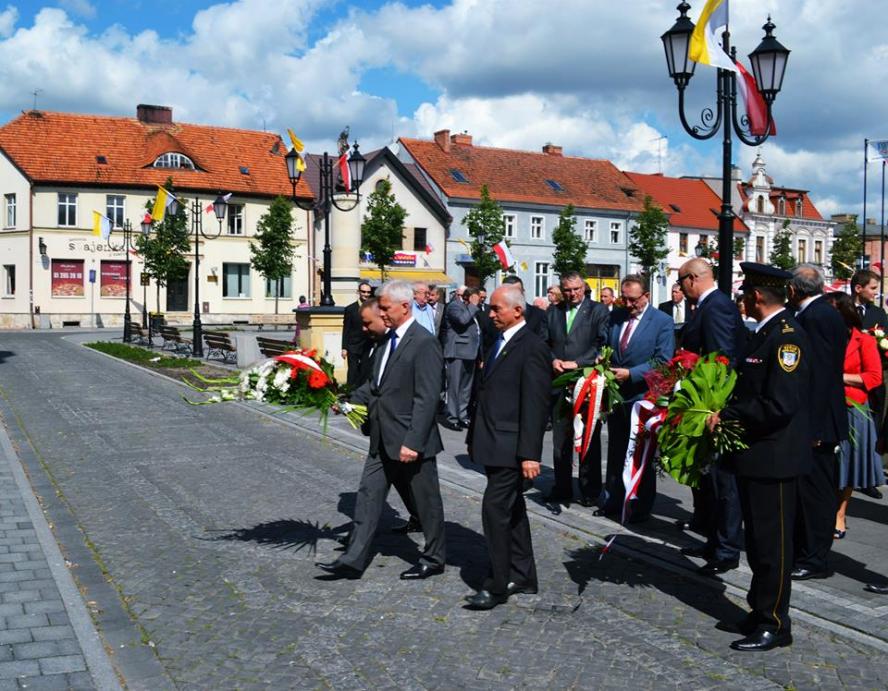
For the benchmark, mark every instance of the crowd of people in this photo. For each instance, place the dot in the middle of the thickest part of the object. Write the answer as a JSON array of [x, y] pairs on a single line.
[[810, 400]]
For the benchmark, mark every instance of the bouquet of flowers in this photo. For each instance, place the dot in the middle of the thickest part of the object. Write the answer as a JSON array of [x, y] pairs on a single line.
[[663, 378], [881, 337], [593, 391], [296, 380], [685, 443]]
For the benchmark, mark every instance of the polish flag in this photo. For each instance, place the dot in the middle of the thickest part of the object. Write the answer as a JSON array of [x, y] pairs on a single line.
[[502, 251], [756, 110]]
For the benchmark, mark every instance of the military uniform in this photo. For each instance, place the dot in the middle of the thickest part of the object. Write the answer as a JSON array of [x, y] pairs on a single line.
[[770, 402]]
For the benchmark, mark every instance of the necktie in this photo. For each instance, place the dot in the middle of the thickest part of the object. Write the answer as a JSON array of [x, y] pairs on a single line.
[[497, 346], [627, 332], [679, 313], [571, 313], [394, 344], [862, 310]]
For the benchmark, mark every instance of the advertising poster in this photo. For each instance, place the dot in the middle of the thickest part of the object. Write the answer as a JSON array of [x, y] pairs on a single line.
[[67, 278], [113, 279]]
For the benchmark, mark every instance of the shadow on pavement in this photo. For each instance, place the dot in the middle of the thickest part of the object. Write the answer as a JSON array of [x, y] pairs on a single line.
[[5, 355]]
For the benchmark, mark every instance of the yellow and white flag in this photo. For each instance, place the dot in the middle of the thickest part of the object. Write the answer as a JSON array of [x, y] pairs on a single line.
[[706, 47], [101, 226], [162, 203], [296, 141]]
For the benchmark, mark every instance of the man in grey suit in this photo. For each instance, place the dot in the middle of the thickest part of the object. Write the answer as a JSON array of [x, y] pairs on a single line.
[[402, 399], [462, 340], [437, 306], [577, 328]]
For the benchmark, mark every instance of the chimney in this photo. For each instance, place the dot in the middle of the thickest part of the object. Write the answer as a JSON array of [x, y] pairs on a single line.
[[442, 139], [464, 139], [154, 115], [552, 150]]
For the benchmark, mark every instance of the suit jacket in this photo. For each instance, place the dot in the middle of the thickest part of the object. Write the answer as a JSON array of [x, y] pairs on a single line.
[[828, 337], [652, 341], [715, 326], [536, 320], [587, 335], [874, 315], [403, 404], [669, 308], [461, 338], [772, 402], [439, 316], [513, 403], [354, 340]]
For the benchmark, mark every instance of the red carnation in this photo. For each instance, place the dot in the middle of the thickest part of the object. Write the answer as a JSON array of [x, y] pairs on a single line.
[[685, 359], [722, 360], [317, 380]]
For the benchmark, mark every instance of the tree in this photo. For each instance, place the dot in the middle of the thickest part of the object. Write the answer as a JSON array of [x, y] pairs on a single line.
[[781, 253], [164, 249], [486, 227], [739, 247], [846, 250], [382, 231], [570, 248], [272, 253], [647, 242]]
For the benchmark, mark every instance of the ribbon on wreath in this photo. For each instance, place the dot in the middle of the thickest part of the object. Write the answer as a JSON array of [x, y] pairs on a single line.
[[300, 360], [588, 390], [646, 419]]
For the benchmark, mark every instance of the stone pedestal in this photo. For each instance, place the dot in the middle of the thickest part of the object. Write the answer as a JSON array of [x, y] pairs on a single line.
[[321, 328], [345, 242]]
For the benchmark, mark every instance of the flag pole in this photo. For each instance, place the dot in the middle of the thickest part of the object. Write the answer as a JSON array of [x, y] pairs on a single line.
[[863, 220]]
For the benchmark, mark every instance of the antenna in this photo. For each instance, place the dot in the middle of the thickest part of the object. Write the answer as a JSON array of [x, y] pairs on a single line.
[[36, 92], [659, 141]]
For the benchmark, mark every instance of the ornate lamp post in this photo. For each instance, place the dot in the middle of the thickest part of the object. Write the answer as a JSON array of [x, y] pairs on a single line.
[[127, 246], [146, 230], [768, 65], [327, 199]]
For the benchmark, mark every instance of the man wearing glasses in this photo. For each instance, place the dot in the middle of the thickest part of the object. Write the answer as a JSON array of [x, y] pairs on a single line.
[[355, 342]]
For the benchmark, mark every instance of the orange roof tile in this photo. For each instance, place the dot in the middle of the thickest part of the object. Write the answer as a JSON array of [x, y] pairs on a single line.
[[694, 201], [809, 211], [62, 148], [520, 176]]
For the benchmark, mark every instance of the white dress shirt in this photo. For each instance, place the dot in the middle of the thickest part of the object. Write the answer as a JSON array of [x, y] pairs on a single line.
[[634, 326], [400, 331]]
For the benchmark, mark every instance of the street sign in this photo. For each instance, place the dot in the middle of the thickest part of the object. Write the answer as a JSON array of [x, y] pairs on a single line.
[[144, 279]]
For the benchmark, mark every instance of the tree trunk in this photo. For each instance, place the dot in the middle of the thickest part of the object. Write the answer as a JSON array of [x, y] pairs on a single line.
[[277, 294]]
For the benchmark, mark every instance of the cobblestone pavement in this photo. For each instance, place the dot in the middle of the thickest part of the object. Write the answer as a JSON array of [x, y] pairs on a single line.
[[207, 521]]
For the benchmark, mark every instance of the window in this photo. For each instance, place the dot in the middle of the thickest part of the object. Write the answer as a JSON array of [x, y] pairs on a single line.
[[67, 209], [536, 228], [235, 280], [798, 206], [541, 279], [555, 186], [114, 209], [802, 251], [616, 227], [589, 228], [9, 215], [781, 207], [760, 249], [760, 204], [286, 288], [509, 225], [67, 278], [683, 244], [173, 160], [419, 239], [818, 251], [458, 176], [235, 219], [9, 279]]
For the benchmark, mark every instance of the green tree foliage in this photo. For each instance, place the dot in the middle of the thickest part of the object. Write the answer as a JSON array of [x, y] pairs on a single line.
[[647, 241], [739, 247], [781, 252], [570, 248], [486, 227], [272, 253], [382, 232], [846, 249], [164, 250]]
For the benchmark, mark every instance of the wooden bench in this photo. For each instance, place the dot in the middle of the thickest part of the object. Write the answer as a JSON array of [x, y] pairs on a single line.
[[172, 338], [270, 347], [220, 343], [274, 320], [138, 334]]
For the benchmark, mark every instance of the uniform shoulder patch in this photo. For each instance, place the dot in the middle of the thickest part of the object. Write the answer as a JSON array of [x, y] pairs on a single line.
[[789, 355], [787, 329]]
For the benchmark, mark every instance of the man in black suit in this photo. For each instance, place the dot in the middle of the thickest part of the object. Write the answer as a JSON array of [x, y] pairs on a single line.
[[506, 436], [534, 317], [677, 307], [355, 343], [714, 326], [402, 399], [771, 402], [577, 328], [815, 519]]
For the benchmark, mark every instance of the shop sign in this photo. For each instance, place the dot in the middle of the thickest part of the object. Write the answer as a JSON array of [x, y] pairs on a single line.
[[113, 280], [67, 278]]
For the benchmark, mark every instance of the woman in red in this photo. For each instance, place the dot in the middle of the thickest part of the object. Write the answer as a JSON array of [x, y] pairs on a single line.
[[859, 462]]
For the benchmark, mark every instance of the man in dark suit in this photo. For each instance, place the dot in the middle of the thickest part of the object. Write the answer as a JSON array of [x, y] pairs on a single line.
[[577, 328], [355, 343], [402, 399], [815, 519], [438, 307], [534, 317], [771, 402], [640, 337], [714, 326], [462, 341], [677, 307], [506, 436]]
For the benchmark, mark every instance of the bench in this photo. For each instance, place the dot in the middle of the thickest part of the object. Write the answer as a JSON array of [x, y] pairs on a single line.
[[270, 347], [274, 320], [172, 338], [218, 342], [138, 334]]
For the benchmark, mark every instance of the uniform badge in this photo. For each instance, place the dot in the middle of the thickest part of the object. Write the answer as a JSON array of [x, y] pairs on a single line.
[[787, 329], [789, 356]]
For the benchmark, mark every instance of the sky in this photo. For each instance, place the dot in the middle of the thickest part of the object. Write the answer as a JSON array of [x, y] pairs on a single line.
[[588, 75]]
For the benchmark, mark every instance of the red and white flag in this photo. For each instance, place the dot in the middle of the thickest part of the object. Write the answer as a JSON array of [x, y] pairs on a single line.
[[756, 110], [344, 172], [211, 207], [502, 251]]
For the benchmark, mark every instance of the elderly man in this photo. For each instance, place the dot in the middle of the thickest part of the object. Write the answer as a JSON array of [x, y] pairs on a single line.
[[437, 308], [677, 307], [607, 298], [423, 312], [462, 340]]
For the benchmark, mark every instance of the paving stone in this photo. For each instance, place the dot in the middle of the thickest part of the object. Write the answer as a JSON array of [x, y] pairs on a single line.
[[18, 668], [63, 664]]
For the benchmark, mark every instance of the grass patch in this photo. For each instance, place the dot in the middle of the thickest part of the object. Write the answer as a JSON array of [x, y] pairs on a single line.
[[142, 356]]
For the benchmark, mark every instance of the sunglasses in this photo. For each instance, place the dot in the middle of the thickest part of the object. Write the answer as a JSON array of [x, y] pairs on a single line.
[[684, 277]]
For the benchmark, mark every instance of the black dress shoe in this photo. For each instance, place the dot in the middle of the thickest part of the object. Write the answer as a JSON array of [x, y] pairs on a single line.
[[412, 525], [807, 574], [557, 499], [715, 566], [421, 572], [878, 589], [871, 492], [339, 570], [484, 599], [463, 424], [699, 551], [604, 512], [452, 425], [584, 501], [763, 640], [520, 589]]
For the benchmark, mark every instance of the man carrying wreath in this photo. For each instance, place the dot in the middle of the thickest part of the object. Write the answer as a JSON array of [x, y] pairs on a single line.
[[771, 403]]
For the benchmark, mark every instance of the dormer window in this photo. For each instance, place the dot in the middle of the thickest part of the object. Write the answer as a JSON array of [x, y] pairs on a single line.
[[174, 159], [798, 206], [781, 207], [760, 205]]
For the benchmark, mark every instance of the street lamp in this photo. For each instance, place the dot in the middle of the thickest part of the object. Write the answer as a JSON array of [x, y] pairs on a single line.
[[768, 65], [327, 199], [146, 230], [127, 246]]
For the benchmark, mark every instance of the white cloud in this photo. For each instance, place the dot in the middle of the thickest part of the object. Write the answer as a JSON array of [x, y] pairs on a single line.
[[82, 8], [8, 18]]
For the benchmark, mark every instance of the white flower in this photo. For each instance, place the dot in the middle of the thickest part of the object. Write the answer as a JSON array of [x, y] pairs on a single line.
[[281, 378], [883, 344], [878, 333]]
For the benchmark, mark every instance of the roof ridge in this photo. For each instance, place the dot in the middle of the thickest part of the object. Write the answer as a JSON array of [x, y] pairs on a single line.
[[517, 151]]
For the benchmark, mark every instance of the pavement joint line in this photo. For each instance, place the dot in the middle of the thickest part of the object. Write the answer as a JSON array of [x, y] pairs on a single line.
[[89, 638], [739, 591]]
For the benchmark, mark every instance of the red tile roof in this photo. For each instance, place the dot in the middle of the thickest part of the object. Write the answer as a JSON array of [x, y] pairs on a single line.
[[61, 148], [809, 211], [520, 176], [696, 204]]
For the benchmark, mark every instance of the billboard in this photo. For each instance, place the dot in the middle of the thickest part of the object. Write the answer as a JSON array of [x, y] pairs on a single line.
[[67, 278], [113, 283]]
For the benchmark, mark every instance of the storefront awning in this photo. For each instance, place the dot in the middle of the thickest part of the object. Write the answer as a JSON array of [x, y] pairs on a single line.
[[437, 278]]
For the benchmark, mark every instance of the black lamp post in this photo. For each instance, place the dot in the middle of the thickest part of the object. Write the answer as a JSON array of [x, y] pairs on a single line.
[[146, 230], [768, 65], [127, 246], [326, 200]]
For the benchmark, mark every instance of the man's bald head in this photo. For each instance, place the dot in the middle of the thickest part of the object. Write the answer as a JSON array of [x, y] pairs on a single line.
[[696, 277]]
